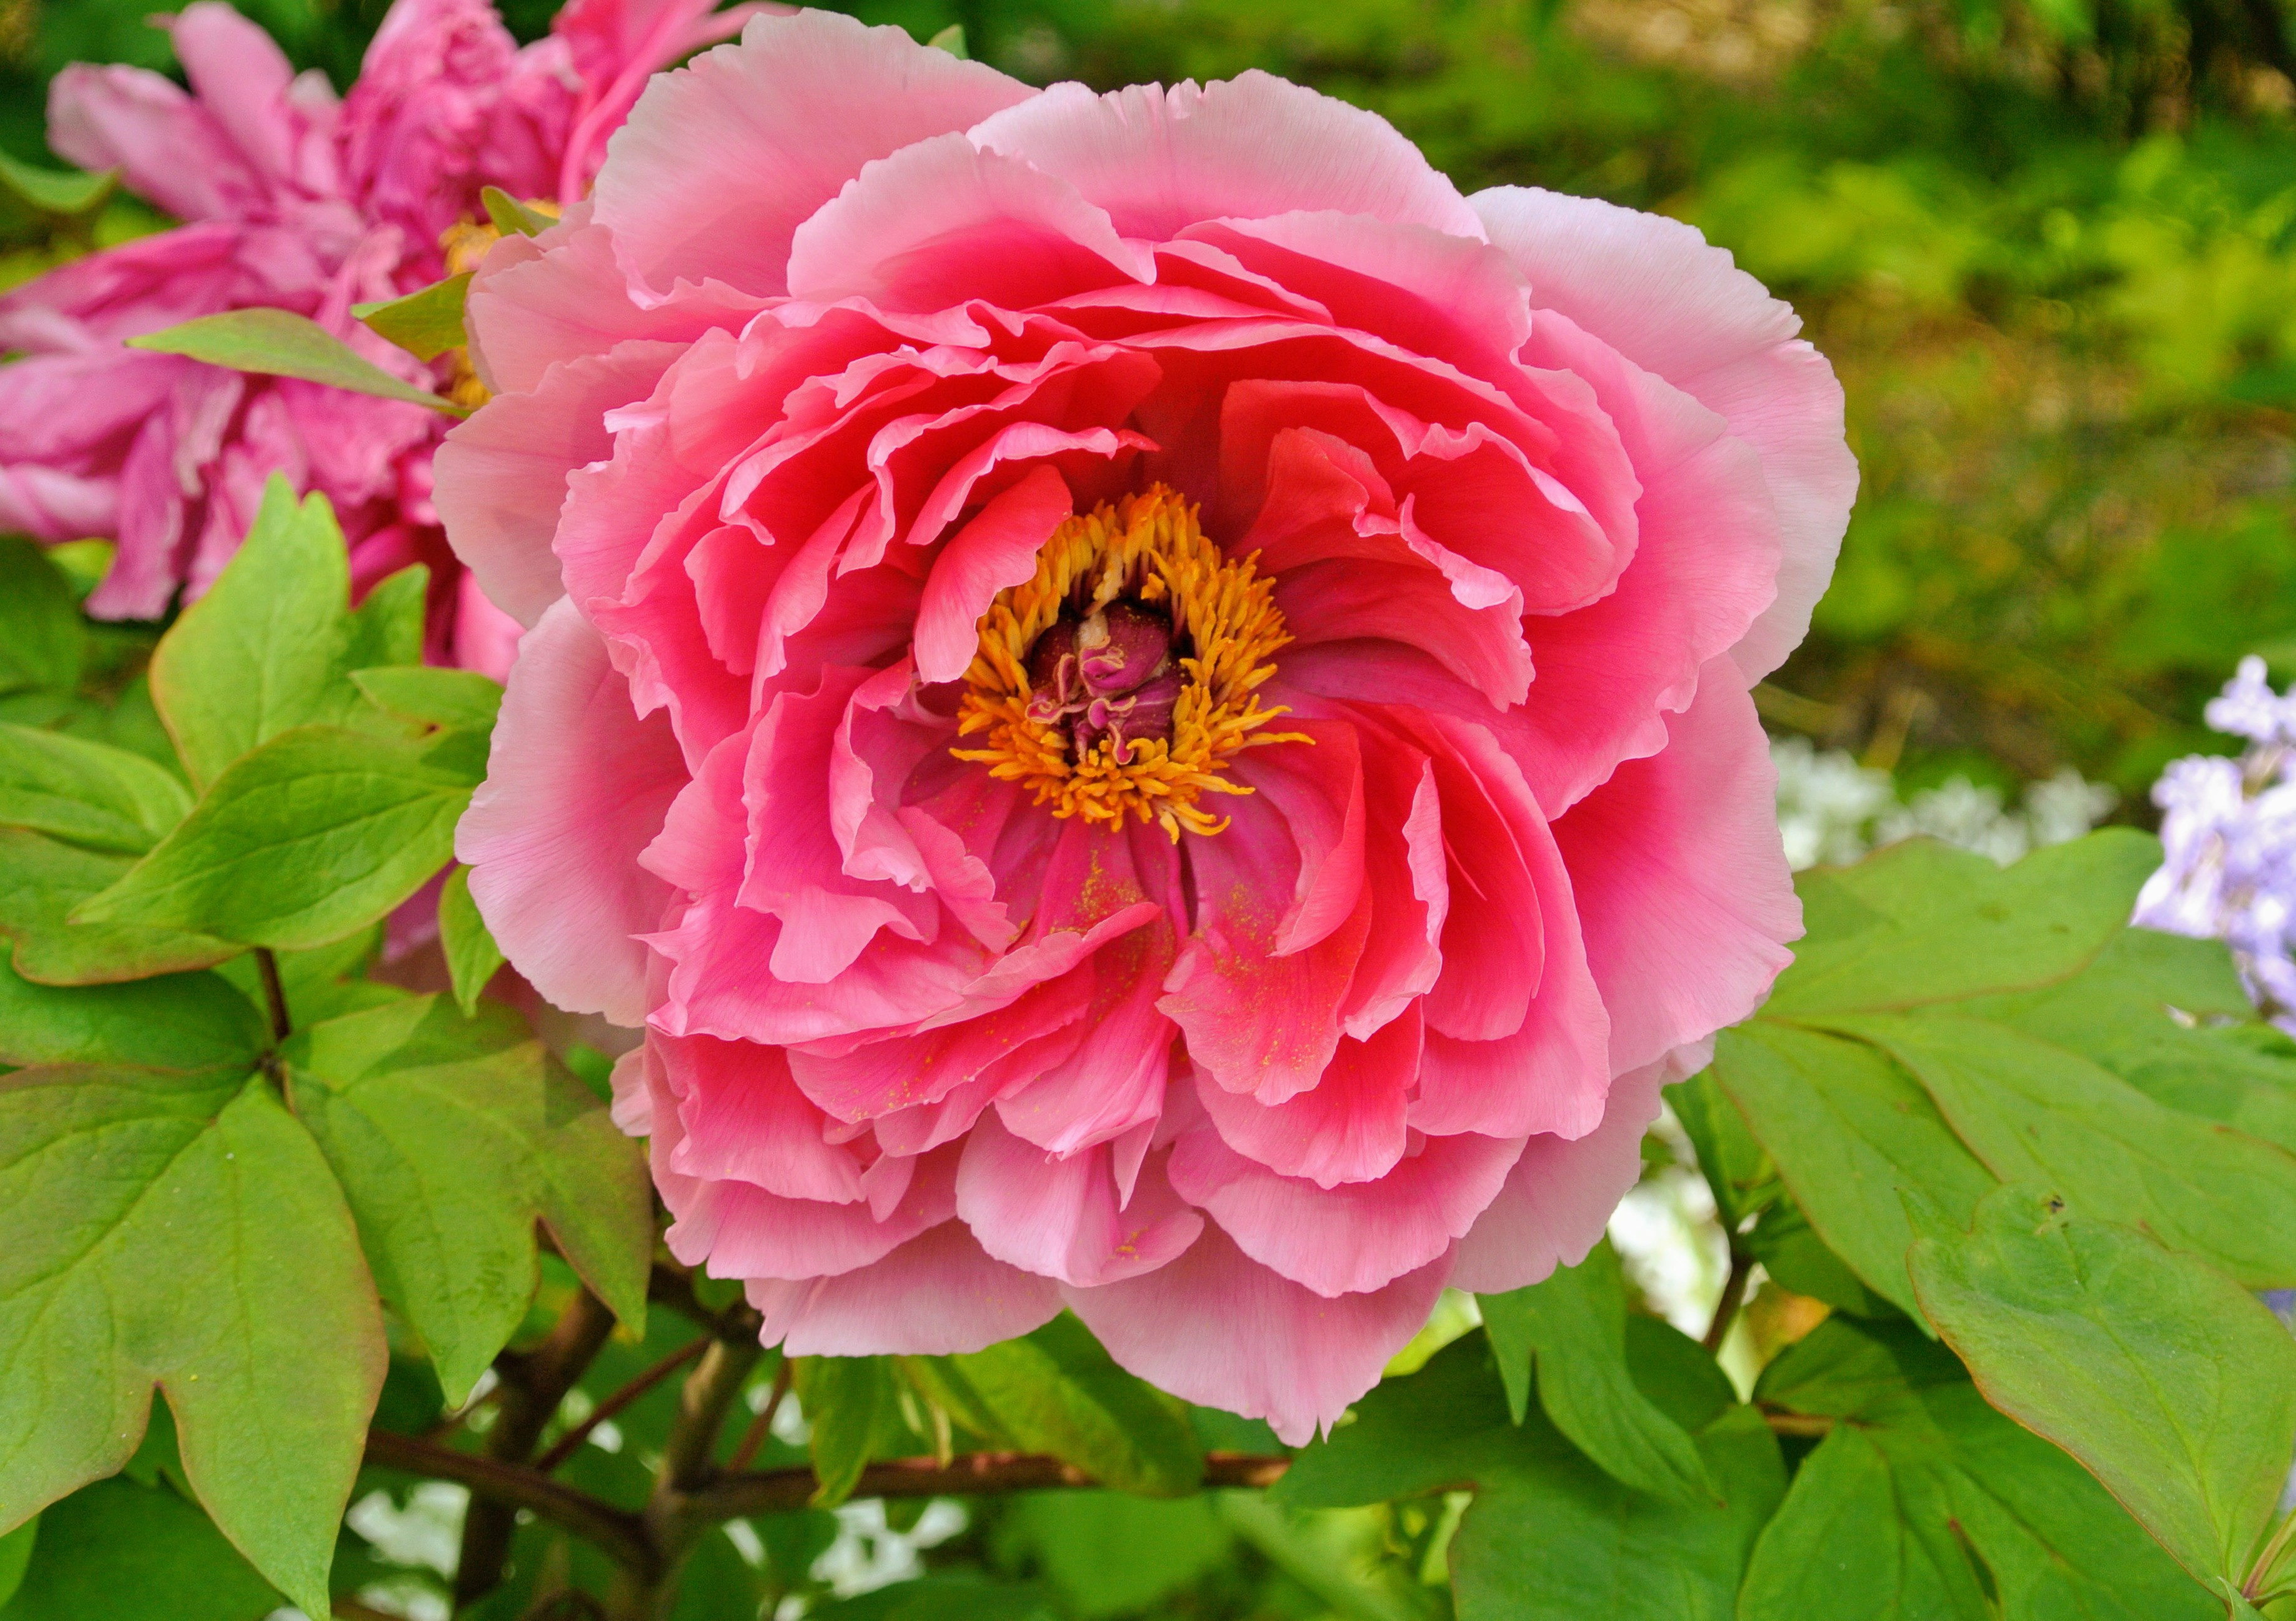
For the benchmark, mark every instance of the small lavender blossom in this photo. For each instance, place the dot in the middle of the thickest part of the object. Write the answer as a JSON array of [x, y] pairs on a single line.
[[2228, 839]]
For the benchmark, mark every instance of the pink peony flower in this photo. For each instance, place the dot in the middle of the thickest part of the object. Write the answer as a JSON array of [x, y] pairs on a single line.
[[294, 200], [1148, 706]]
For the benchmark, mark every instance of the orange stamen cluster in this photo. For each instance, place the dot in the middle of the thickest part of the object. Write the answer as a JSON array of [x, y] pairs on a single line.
[[1146, 549]]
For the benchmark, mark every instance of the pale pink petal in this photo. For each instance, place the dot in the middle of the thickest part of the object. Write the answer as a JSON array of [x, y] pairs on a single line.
[[941, 221], [1160, 160], [745, 1121], [721, 161], [1352, 1236], [1559, 1197], [937, 1295], [502, 475], [1653, 289], [1216, 1328], [1681, 876], [576, 786]]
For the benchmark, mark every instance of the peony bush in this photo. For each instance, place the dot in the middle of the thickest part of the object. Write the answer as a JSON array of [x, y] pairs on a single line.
[[1131, 756]]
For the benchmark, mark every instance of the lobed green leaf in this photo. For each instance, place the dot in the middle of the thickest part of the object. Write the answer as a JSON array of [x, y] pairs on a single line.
[[181, 1230], [472, 957], [42, 879], [451, 1137], [88, 793], [426, 323]]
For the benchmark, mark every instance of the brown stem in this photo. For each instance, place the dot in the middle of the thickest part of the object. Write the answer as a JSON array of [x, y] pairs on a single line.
[[971, 1474], [274, 994], [513, 1486], [1734, 1294], [760, 1426], [533, 1384], [571, 1443], [1797, 1423], [703, 1402]]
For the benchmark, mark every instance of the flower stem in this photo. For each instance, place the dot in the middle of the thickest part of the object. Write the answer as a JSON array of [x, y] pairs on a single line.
[[571, 1443], [275, 995]]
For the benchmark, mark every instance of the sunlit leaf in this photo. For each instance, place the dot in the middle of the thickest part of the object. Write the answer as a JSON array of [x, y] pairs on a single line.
[[279, 343]]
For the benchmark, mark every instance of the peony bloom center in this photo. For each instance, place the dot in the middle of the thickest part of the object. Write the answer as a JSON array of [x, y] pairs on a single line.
[[1122, 678]]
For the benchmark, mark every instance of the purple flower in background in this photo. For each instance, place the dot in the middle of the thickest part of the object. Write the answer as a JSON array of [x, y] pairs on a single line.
[[2228, 830]]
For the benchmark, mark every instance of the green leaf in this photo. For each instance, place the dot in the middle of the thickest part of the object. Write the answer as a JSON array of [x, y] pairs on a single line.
[[40, 638], [1574, 1325], [2164, 1378], [1847, 1128], [268, 647], [2035, 1113], [177, 1021], [183, 1230], [120, 1551], [451, 1137], [1439, 1428], [426, 324], [1110, 1554], [1920, 922], [1551, 1538], [65, 192], [510, 217], [16, 1555], [1744, 1181], [461, 699], [43, 879], [471, 954], [89, 794], [279, 343], [319, 832], [853, 1408], [1923, 1501], [1792, 1252], [951, 39], [1057, 1391], [386, 629]]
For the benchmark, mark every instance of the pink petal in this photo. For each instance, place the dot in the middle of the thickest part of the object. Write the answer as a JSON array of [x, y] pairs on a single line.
[[1651, 289], [1160, 160], [722, 161], [937, 1295], [502, 475], [1558, 1199], [576, 786], [745, 1121], [998, 548], [1217, 1328], [740, 1231], [1061, 1217], [1352, 1236], [1682, 881], [1348, 1128]]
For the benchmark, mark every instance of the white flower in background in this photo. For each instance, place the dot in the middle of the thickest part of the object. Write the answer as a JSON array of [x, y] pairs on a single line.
[[1832, 810], [2228, 839]]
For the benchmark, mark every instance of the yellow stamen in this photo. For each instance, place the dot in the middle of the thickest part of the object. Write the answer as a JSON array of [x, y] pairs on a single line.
[[464, 243], [1147, 547]]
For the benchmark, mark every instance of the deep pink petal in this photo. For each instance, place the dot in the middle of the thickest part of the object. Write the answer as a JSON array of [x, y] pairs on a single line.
[[1348, 1128], [998, 548], [745, 1121], [1062, 1217]]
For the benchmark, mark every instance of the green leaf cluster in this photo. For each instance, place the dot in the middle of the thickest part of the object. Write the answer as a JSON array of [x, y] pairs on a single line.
[[236, 1171]]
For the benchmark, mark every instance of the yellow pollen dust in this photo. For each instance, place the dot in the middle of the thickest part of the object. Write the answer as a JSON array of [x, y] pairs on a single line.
[[1147, 550], [464, 243]]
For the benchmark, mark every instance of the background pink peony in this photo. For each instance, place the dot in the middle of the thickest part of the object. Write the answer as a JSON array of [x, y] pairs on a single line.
[[848, 330], [290, 198]]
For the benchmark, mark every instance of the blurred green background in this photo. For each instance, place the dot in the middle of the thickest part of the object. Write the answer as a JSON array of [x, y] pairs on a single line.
[[2050, 246]]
